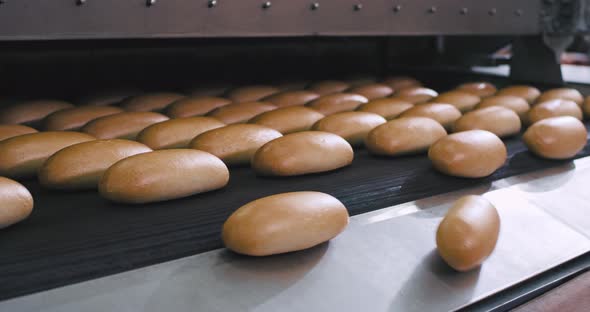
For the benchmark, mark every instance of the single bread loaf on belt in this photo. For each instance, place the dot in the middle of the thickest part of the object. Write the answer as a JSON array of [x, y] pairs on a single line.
[[517, 104], [373, 91], [388, 108], [563, 94], [291, 98], [416, 95], [9, 131], [500, 121], [401, 82], [176, 133], [445, 114], [463, 101], [150, 102], [289, 119], [480, 89], [251, 93], [529, 93], [31, 111], [554, 108], [556, 138], [337, 102], [195, 106], [351, 126], [402, 136], [76, 118], [123, 125], [16, 202], [240, 112]]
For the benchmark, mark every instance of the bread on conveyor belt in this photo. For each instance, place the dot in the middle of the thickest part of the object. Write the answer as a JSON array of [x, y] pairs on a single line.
[[251, 93], [468, 154], [31, 111], [234, 144], [401, 82], [123, 125], [480, 89], [163, 175], [326, 87], [529, 93], [554, 108], [388, 108], [337, 102], [561, 93], [284, 223], [75, 118], [403, 136], [468, 233], [289, 119], [16, 202], [500, 121], [9, 131], [240, 112], [416, 95], [518, 104], [556, 138], [302, 153], [291, 98], [80, 166], [195, 106], [351, 126], [150, 102], [23, 155], [445, 114], [462, 100], [372, 91], [176, 133]]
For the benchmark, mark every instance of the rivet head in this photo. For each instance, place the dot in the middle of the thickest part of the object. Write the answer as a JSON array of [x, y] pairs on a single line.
[[492, 12], [464, 11], [212, 3], [397, 8], [518, 12], [358, 7], [266, 5], [432, 10], [315, 6], [150, 2], [78, 2]]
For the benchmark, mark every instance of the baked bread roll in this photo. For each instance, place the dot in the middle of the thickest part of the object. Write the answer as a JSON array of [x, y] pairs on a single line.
[[517, 104], [240, 112], [9, 131], [23, 155], [529, 93], [284, 223], [251, 93], [445, 114], [162, 175], [16, 202], [150, 102], [76, 118], [373, 91], [302, 153], [289, 119], [480, 89], [554, 108], [416, 95], [31, 111], [402, 136], [234, 144], [176, 133], [351, 126], [80, 166], [123, 125], [337, 102], [468, 154], [468, 233], [401, 82], [291, 98], [556, 138], [562, 94], [195, 106], [500, 121], [462, 100], [326, 87], [388, 108]]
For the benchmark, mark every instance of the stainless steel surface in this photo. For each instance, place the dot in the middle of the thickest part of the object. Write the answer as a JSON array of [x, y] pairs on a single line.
[[45, 20], [384, 261]]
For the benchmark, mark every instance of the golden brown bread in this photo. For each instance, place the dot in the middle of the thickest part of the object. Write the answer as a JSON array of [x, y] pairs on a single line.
[[251, 93], [337, 102], [284, 223], [80, 166], [123, 125], [563, 94], [528, 93], [388, 108], [240, 112], [289, 119], [468, 233], [500, 121], [326, 87], [195, 106], [351, 126], [9, 131], [23, 155], [76, 118], [16, 202], [150, 102], [291, 98], [402, 136], [462, 100], [302, 153], [416, 95], [234, 144], [554, 108], [445, 114], [556, 138], [401, 82], [518, 104], [480, 89], [176, 133], [372, 91], [468, 154], [31, 111]]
